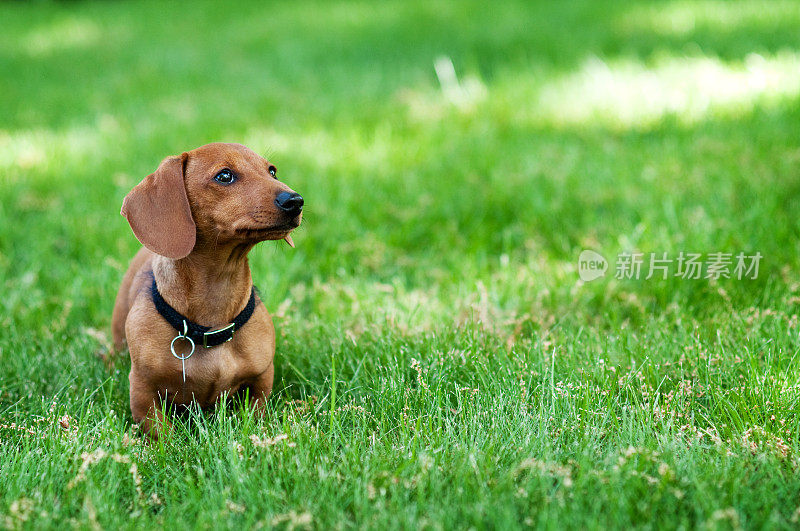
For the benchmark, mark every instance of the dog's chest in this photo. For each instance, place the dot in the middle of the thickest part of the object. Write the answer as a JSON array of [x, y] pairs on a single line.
[[212, 372], [209, 372]]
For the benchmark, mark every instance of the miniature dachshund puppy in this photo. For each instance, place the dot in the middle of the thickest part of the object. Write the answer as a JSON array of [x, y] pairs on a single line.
[[187, 309]]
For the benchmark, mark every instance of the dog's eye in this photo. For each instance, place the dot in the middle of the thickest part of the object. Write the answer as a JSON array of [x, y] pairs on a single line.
[[273, 171], [225, 177]]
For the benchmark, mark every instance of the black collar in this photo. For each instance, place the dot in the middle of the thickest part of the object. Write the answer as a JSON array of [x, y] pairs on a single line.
[[199, 334]]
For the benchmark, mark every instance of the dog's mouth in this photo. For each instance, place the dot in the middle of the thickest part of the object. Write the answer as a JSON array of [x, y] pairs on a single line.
[[273, 232]]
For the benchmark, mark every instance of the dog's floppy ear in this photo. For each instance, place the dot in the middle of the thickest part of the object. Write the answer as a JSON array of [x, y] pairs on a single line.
[[158, 210]]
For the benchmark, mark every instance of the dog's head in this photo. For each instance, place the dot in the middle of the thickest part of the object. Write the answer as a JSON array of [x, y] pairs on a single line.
[[216, 194]]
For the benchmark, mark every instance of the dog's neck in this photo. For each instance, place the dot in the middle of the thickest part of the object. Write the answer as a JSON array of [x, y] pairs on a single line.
[[210, 286]]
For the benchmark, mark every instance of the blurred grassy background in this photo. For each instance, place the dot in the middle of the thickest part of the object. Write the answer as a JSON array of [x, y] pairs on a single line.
[[661, 126]]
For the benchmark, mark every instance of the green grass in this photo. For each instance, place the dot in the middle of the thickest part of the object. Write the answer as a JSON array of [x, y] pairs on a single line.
[[439, 364]]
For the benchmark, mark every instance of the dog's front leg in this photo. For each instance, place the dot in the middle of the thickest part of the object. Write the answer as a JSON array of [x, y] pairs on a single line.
[[146, 407], [260, 389]]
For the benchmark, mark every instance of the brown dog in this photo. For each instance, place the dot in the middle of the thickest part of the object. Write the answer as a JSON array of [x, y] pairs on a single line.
[[198, 216]]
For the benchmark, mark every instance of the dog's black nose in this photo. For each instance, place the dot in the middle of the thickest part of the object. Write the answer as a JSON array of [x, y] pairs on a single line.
[[289, 202]]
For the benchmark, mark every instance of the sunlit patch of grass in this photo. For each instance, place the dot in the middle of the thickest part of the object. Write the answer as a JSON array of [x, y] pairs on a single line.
[[43, 149], [628, 93], [681, 17], [366, 151], [621, 93], [64, 34]]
